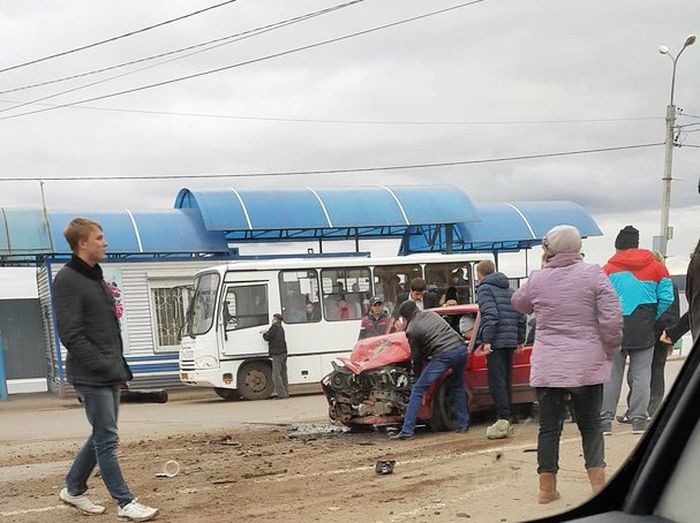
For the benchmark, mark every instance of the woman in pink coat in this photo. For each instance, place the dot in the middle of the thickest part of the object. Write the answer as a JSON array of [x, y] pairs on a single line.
[[578, 331]]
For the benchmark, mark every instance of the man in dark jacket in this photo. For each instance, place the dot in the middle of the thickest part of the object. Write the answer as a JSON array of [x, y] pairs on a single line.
[[88, 327], [502, 331], [278, 353], [433, 340], [377, 321], [645, 292]]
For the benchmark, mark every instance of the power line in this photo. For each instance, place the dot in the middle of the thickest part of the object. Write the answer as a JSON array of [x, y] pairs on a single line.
[[224, 39], [248, 62], [355, 122], [118, 37], [232, 39], [338, 171], [690, 145], [689, 115]]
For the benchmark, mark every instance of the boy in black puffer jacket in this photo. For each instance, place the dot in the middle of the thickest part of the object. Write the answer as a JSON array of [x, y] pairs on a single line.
[[502, 331]]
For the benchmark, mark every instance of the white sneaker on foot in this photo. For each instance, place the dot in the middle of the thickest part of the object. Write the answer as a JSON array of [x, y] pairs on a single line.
[[81, 502], [135, 511]]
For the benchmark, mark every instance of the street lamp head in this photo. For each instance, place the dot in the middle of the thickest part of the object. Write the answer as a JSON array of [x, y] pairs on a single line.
[[663, 49], [689, 41]]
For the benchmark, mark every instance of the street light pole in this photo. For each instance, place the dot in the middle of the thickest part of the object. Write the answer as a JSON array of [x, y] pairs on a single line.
[[668, 159]]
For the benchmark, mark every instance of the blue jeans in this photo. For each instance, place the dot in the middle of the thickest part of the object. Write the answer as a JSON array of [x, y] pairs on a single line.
[[102, 410], [455, 359]]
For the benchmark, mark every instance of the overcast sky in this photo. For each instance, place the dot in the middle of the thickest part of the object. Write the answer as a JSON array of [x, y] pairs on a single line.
[[522, 69]]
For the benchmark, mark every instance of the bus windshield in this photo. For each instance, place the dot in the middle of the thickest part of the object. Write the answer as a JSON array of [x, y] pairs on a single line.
[[200, 314]]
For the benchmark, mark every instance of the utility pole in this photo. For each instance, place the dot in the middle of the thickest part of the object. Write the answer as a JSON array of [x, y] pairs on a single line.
[[46, 214], [665, 235]]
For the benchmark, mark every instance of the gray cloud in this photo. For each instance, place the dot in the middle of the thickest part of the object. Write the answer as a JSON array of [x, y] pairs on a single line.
[[493, 61]]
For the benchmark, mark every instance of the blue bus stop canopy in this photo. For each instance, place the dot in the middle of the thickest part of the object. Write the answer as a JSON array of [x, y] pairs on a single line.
[[26, 232], [204, 222], [512, 226], [255, 214]]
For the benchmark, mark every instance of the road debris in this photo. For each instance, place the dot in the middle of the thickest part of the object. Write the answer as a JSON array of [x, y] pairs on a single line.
[[384, 466]]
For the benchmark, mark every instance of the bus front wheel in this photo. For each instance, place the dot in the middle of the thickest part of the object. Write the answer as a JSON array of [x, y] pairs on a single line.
[[255, 380]]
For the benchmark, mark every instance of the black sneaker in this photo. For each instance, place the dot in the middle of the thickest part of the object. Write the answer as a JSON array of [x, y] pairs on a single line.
[[606, 426], [462, 431], [401, 435], [624, 419], [639, 425]]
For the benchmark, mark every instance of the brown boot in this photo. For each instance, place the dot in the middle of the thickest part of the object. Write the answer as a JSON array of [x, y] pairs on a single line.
[[597, 477], [548, 488]]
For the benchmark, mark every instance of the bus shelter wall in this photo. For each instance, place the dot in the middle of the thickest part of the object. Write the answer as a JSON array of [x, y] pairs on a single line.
[[145, 324]]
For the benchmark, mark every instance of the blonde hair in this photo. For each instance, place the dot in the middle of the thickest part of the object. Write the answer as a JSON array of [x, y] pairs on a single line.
[[485, 267], [79, 229], [659, 257]]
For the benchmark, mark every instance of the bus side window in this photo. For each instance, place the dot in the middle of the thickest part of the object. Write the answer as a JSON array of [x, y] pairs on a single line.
[[391, 283], [245, 306], [450, 282], [345, 293], [299, 296]]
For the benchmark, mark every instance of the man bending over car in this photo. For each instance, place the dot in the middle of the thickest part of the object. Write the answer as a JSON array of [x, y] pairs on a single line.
[[433, 340]]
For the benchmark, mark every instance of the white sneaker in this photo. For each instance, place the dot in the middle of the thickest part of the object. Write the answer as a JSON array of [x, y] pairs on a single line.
[[81, 502], [135, 511]]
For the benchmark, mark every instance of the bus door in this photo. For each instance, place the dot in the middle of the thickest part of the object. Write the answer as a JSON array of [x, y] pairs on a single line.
[[245, 314]]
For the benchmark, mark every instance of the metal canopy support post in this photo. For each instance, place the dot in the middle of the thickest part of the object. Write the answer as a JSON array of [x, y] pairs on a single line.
[[448, 238], [3, 377]]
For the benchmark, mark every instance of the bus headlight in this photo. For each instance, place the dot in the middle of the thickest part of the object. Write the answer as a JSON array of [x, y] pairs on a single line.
[[206, 362]]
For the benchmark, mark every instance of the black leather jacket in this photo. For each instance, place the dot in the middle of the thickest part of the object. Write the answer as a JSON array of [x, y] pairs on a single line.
[[429, 335]]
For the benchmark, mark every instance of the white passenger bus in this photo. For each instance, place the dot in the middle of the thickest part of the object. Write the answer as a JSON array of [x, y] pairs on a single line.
[[322, 301]]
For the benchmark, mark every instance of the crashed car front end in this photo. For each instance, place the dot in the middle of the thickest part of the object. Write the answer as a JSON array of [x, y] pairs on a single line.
[[373, 386]]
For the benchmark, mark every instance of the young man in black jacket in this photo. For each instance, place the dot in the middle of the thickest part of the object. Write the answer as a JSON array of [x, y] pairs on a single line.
[[502, 331], [88, 326], [278, 353]]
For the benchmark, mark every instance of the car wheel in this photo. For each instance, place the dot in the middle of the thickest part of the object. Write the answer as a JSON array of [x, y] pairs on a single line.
[[444, 417], [255, 380], [228, 394]]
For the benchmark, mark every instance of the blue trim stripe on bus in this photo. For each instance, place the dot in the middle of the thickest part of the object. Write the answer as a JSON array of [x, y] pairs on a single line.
[[135, 358], [167, 367]]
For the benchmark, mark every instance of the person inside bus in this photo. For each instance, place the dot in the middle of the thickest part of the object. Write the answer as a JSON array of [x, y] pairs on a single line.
[[313, 313], [228, 317], [376, 322], [345, 310], [416, 294]]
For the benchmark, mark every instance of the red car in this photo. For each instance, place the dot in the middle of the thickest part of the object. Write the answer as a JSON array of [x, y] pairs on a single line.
[[372, 387]]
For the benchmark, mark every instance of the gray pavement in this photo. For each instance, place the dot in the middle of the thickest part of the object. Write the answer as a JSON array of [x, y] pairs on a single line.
[[44, 417]]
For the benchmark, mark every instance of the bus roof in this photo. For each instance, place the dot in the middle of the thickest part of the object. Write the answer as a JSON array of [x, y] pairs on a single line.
[[342, 261]]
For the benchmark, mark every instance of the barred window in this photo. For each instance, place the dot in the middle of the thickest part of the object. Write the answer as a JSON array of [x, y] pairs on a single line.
[[169, 307]]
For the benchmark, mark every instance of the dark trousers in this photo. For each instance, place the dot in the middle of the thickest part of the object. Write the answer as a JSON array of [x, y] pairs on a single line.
[[658, 383], [279, 375], [586, 401], [102, 410], [500, 374]]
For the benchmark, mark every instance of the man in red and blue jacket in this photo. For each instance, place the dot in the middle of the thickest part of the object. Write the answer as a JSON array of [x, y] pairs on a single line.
[[646, 291]]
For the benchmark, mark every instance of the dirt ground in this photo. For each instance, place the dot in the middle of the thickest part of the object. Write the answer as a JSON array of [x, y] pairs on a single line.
[[263, 474], [243, 461]]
